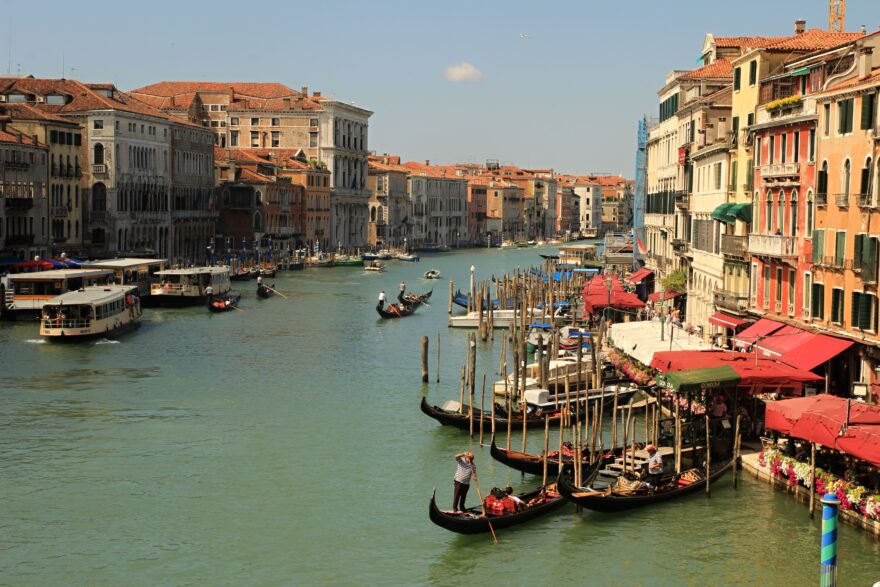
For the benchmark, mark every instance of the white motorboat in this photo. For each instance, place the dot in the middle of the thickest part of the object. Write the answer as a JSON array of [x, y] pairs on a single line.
[[432, 274]]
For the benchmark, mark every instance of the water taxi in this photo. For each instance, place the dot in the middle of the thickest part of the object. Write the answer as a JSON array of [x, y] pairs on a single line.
[[26, 293], [131, 271], [101, 311], [185, 287]]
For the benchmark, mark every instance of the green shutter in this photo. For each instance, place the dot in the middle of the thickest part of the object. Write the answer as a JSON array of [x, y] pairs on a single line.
[[867, 111], [835, 306], [841, 116], [850, 112], [733, 175], [839, 248], [865, 306], [869, 259], [854, 310], [818, 246], [857, 251]]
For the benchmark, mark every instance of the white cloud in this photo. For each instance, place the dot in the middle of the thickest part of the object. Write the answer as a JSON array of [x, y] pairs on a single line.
[[463, 72]]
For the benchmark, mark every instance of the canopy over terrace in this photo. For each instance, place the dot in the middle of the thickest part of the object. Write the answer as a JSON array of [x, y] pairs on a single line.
[[847, 426], [791, 345], [761, 376], [641, 340], [607, 292]]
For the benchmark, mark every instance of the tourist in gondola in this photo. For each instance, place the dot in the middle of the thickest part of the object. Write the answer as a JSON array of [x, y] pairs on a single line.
[[655, 466], [462, 481]]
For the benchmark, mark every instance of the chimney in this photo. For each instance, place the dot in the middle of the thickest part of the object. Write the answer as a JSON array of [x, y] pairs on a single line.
[[305, 91], [427, 161], [318, 94], [800, 26], [865, 60]]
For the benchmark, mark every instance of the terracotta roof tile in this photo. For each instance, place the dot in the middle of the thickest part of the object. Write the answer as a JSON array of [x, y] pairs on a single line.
[[242, 95], [720, 68], [28, 112], [747, 42], [14, 137], [814, 40]]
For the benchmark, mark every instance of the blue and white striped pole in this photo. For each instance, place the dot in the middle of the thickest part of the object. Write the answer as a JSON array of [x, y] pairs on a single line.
[[828, 555]]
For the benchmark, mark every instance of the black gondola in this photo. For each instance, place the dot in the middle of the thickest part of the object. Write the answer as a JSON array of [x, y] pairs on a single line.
[[670, 488], [412, 299], [461, 299], [224, 303], [396, 310], [472, 520], [296, 266], [265, 291], [461, 420], [241, 275], [534, 464]]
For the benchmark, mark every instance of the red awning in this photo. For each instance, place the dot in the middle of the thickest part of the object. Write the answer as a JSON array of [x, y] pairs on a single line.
[[668, 295], [759, 329], [639, 275], [603, 292], [823, 419], [815, 350], [725, 320], [766, 372]]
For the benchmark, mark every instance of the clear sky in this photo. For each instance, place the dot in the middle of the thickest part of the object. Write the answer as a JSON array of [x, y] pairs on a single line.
[[541, 84]]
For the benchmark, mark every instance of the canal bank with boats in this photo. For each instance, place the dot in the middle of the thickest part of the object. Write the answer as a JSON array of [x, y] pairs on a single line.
[[244, 447]]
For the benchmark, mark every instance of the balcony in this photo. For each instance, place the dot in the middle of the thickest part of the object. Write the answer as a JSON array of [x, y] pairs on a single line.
[[766, 245], [99, 216], [821, 199], [680, 246], [866, 201], [19, 202], [19, 239], [730, 300], [832, 262], [734, 246], [288, 231], [58, 211], [99, 169], [780, 170], [682, 199], [17, 165], [841, 200]]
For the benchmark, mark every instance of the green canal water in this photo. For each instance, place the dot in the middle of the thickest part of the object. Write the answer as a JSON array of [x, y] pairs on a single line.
[[284, 446]]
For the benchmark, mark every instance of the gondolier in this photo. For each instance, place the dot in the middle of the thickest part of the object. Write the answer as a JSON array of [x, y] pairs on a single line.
[[401, 292], [209, 291], [382, 299], [655, 465], [462, 480]]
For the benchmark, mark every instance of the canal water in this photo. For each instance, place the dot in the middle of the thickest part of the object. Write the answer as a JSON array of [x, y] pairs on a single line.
[[283, 445]]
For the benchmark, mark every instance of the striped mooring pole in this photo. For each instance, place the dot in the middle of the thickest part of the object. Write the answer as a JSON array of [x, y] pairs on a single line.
[[828, 555]]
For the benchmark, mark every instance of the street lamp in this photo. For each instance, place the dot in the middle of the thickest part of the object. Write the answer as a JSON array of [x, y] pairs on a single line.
[[471, 297]]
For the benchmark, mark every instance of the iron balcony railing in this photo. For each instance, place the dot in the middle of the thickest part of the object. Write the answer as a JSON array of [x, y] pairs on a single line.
[[767, 245], [842, 200], [730, 300], [734, 246]]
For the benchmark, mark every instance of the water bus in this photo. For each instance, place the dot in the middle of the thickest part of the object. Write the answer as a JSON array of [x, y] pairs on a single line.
[[26, 293], [132, 271], [186, 287], [103, 311]]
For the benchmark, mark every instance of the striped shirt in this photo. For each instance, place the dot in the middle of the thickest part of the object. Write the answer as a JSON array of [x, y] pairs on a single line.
[[463, 471]]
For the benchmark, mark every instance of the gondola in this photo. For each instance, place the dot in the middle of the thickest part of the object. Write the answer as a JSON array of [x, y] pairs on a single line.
[[413, 299], [396, 310], [241, 275], [296, 265], [534, 464], [432, 274], [687, 482], [265, 291], [461, 299], [472, 521], [462, 420], [224, 303], [268, 271]]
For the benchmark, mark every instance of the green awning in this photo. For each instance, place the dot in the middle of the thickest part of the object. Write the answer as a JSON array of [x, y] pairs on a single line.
[[741, 212], [722, 214], [801, 71], [701, 379]]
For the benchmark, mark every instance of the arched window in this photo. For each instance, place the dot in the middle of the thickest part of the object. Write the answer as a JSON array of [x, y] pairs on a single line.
[[811, 214], [98, 154], [99, 197], [793, 226], [866, 183], [768, 212], [845, 183]]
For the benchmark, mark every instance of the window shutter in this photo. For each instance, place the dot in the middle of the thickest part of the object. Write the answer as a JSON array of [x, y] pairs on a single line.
[[865, 303], [854, 310], [836, 305], [839, 248], [869, 259], [857, 251], [867, 111], [841, 116], [818, 246], [866, 178], [817, 301]]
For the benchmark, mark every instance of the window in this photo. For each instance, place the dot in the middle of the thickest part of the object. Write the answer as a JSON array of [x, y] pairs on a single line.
[[796, 147], [867, 180], [771, 154], [215, 107], [826, 126], [276, 122], [845, 116], [793, 207], [255, 138], [97, 124], [718, 176], [255, 122], [754, 283], [276, 138], [868, 259], [733, 166], [233, 138], [778, 286], [783, 148], [808, 294], [818, 246], [233, 121], [759, 146], [753, 72], [822, 181], [867, 111], [313, 122], [98, 154], [768, 206], [812, 145], [846, 178], [750, 119], [780, 212], [766, 284], [313, 140], [737, 78], [837, 305]]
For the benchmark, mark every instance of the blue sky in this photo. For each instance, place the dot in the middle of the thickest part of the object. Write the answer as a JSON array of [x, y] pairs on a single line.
[[568, 95]]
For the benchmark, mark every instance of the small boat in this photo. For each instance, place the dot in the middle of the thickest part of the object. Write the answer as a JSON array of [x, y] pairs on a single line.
[[268, 271], [536, 330], [264, 291], [377, 266], [224, 303], [432, 274], [461, 299], [321, 260], [369, 256], [240, 274], [414, 299], [95, 311], [617, 493], [383, 255], [534, 464], [452, 414], [298, 265], [408, 257], [536, 503], [346, 261], [396, 310]]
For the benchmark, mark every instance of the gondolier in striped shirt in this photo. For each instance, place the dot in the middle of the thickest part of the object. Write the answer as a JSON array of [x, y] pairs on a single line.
[[462, 482]]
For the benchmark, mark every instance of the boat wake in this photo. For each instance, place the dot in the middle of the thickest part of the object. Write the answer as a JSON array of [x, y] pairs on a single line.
[[36, 341], [106, 341]]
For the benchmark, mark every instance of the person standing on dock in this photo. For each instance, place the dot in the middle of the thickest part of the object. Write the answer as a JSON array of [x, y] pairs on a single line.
[[462, 482]]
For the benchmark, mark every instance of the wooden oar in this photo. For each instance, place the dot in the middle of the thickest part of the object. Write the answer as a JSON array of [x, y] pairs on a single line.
[[276, 291], [483, 503]]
